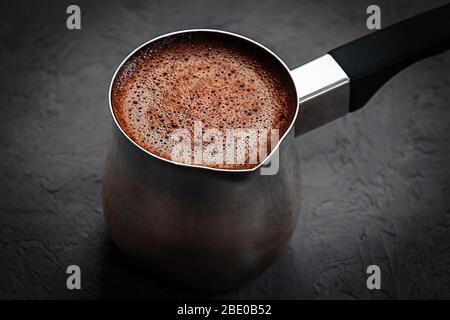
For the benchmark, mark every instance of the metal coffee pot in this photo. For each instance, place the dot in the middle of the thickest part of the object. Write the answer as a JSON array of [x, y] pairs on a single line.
[[213, 228]]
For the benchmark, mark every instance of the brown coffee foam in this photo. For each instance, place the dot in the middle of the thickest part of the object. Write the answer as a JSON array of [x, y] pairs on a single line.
[[222, 82]]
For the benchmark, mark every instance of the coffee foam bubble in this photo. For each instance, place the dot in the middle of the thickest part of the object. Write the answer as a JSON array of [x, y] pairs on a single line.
[[168, 86]]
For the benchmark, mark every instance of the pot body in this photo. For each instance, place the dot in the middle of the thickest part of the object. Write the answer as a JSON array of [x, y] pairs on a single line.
[[200, 228]]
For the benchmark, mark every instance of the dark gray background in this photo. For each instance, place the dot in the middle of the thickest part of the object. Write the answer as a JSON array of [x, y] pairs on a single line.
[[375, 184]]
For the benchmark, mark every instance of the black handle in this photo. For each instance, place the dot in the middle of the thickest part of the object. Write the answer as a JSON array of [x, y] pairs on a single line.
[[372, 60]]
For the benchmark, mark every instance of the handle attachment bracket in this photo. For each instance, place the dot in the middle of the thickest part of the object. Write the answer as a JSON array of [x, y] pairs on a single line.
[[324, 92]]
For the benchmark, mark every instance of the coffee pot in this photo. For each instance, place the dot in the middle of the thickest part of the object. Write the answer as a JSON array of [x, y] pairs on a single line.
[[213, 228]]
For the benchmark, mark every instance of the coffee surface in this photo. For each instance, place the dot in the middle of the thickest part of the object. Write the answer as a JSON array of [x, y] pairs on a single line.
[[220, 83]]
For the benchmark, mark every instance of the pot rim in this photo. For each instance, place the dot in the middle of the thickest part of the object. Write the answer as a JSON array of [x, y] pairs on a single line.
[[275, 149]]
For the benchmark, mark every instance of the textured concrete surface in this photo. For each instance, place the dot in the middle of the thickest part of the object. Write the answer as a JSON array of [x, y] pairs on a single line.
[[375, 184]]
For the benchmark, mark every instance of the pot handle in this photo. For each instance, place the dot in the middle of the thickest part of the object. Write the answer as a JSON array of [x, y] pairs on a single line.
[[347, 77], [371, 61]]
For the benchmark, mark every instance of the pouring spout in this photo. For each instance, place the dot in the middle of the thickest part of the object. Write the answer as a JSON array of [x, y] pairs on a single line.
[[323, 89]]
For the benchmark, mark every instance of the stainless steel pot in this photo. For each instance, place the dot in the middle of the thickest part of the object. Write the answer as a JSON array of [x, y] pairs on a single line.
[[213, 228]]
